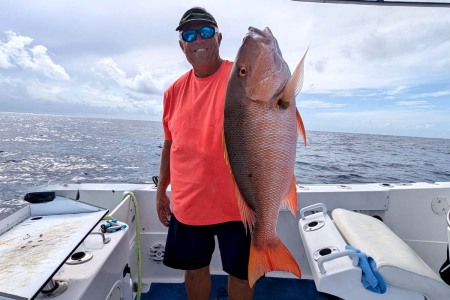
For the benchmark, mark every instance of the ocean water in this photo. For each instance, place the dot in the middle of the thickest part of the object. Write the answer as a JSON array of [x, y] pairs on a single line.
[[37, 150]]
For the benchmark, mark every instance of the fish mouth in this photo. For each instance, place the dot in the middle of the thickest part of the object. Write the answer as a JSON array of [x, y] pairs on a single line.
[[259, 36], [265, 33]]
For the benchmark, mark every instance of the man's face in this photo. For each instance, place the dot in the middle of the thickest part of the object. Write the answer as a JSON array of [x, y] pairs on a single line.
[[201, 52]]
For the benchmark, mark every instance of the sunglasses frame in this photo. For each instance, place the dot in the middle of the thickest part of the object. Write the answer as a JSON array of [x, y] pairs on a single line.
[[197, 32]]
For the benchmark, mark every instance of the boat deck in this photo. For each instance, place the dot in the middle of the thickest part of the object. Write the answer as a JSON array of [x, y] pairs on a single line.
[[267, 288]]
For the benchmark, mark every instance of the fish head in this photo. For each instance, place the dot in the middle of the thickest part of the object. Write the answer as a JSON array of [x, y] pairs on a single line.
[[259, 70]]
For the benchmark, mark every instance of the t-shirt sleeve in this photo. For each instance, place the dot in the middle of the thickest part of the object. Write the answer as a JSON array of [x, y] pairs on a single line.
[[167, 114]]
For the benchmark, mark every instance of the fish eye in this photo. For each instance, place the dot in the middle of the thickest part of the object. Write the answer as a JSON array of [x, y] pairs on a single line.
[[242, 71]]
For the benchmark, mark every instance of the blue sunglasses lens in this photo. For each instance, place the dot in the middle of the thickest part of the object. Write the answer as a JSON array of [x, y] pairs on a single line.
[[207, 32], [190, 35]]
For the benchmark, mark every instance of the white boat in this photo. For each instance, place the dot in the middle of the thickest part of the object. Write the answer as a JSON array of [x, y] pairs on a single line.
[[56, 249], [105, 241]]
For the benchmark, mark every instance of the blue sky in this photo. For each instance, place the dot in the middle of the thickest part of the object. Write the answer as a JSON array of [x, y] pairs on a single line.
[[378, 70]]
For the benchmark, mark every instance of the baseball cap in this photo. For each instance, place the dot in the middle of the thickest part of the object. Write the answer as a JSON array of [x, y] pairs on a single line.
[[196, 14]]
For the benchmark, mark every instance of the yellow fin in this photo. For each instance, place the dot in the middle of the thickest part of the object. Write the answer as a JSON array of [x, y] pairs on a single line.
[[247, 214], [291, 197], [225, 152], [263, 260], [300, 127]]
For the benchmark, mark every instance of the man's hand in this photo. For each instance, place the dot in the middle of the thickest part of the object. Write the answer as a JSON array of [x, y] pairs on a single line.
[[163, 208], [162, 201]]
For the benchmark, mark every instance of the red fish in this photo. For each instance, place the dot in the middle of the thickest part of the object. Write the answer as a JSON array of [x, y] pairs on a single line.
[[261, 127]]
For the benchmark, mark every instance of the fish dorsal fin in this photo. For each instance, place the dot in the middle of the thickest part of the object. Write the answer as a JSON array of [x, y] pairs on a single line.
[[290, 201], [247, 214], [295, 84]]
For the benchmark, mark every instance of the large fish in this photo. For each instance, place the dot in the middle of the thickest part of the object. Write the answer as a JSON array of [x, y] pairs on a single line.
[[261, 126]]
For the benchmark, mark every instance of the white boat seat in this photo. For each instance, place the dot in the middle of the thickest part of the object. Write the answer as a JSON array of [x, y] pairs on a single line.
[[397, 263]]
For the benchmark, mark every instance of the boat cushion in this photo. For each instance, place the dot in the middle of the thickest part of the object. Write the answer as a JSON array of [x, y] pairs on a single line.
[[397, 262]]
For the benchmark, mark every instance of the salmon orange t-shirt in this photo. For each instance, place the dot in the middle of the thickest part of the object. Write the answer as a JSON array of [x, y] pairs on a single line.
[[202, 186]]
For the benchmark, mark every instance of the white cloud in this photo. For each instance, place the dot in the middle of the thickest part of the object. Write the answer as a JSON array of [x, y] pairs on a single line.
[[318, 104], [424, 126], [366, 59], [397, 90], [141, 83], [148, 81], [16, 52], [7, 80], [432, 94], [414, 104], [396, 122], [39, 90]]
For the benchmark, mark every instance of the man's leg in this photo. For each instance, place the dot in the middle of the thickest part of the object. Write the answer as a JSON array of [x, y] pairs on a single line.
[[234, 244], [239, 289], [190, 248], [198, 284]]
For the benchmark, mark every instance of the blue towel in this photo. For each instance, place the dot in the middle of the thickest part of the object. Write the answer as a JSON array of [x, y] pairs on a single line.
[[371, 278]]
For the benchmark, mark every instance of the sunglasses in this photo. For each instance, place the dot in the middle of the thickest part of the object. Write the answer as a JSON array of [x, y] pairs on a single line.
[[205, 32]]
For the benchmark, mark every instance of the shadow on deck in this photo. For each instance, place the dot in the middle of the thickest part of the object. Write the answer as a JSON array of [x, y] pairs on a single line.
[[267, 288]]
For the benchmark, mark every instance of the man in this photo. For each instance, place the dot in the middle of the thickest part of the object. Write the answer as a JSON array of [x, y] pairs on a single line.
[[203, 198]]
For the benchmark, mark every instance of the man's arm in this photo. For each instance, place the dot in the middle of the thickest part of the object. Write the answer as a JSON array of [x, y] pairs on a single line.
[[162, 201]]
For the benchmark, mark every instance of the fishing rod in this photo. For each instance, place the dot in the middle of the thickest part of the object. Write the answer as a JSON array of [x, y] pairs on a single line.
[[383, 3]]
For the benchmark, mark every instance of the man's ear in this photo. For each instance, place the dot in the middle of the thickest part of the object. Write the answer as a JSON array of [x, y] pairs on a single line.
[[219, 38], [182, 45]]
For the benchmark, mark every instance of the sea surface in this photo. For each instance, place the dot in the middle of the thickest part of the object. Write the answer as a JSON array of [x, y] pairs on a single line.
[[38, 150]]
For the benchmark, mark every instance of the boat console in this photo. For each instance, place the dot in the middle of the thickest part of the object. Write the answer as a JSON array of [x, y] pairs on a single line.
[[335, 270], [55, 248]]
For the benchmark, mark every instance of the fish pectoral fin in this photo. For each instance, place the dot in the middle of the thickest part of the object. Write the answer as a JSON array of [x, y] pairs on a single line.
[[274, 258], [295, 83], [300, 127], [290, 200]]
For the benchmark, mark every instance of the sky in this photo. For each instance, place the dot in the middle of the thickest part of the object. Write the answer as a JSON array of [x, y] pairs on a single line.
[[369, 69]]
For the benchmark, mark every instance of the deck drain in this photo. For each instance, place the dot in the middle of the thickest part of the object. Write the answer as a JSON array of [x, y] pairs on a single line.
[[79, 258]]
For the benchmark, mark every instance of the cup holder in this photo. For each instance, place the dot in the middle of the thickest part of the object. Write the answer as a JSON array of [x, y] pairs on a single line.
[[313, 225], [79, 257], [324, 252]]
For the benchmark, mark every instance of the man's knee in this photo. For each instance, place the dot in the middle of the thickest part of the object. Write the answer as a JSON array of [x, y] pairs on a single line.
[[198, 272], [198, 283]]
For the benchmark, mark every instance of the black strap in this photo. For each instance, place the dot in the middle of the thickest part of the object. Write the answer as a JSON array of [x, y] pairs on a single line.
[[444, 271], [155, 180]]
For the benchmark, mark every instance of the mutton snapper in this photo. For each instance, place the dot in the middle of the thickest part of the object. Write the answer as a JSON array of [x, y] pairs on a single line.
[[261, 126]]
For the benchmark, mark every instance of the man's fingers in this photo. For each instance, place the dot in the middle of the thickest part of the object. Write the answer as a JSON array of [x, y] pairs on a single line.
[[164, 217]]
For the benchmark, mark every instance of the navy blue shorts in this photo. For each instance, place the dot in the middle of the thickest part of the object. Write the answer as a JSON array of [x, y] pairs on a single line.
[[191, 247]]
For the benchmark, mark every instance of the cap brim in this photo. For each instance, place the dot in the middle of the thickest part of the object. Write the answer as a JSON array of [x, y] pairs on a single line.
[[192, 20]]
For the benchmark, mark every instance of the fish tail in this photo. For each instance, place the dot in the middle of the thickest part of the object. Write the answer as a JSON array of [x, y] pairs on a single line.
[[266, 259]]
